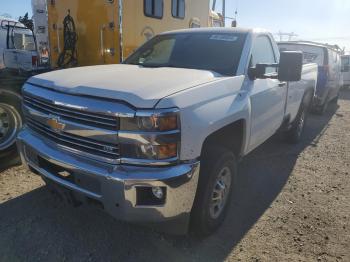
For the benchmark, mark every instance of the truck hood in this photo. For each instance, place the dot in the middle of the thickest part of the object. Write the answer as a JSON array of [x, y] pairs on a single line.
[[139, 86]]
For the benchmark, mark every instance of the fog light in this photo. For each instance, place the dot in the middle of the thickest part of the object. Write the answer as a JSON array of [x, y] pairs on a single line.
[[158, 192]]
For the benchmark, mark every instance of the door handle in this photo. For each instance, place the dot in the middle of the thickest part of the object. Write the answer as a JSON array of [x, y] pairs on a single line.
[[282, 84]]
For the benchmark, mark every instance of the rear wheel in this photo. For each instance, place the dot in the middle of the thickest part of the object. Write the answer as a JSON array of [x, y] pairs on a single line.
[[10, 123], [335, 100], [322, 109], [217, 179], [294, 134]]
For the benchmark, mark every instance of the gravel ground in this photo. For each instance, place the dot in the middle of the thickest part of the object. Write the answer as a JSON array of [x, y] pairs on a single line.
[[293, 204]]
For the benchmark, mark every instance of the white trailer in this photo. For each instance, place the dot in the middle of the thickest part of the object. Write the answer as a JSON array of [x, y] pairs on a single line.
[[18, 60]]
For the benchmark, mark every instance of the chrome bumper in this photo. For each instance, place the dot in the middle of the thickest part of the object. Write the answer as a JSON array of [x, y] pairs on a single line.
[[115, 186]]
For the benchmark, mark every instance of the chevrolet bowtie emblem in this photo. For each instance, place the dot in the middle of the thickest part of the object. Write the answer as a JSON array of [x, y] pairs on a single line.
[[55, 124]]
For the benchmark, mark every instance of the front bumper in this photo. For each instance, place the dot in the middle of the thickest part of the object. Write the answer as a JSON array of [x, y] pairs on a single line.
[[114, 187]]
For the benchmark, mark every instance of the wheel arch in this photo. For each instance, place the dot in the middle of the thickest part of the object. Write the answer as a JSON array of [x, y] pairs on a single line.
[[231, 136], [10, 93]]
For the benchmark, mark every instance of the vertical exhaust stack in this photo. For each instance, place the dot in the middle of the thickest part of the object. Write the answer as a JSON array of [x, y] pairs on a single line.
[[40, 19], [224, 11]]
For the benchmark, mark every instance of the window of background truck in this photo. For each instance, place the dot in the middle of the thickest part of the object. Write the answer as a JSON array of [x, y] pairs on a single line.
[[262, 53], [345, 61], [216, 52], [312, 54], [178, 8], [22, 42], [153, 8]]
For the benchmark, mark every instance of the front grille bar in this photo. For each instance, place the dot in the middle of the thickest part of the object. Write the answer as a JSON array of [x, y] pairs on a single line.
[[75, 142], [110, 123]]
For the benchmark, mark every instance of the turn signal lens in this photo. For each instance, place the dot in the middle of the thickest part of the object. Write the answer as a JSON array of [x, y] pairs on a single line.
[[167, 151], [149, 151], [167, 123]]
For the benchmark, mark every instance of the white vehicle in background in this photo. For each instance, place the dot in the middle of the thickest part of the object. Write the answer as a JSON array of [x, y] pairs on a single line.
[[345, 68], [327, 58], [17, 46], [18, 61]]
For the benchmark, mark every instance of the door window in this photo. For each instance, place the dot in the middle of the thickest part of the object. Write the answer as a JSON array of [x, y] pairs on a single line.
[[178, 8], [262, 53], [153, 8]]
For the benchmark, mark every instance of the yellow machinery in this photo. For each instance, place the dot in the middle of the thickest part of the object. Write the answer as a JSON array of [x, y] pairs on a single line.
[[90, 32]]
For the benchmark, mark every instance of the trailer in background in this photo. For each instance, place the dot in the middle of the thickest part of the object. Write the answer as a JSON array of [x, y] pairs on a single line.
[[18, 61], [106, 32]]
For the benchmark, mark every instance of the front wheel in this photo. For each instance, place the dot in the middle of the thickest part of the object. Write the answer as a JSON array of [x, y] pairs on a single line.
[[10, 124], [217, 179]]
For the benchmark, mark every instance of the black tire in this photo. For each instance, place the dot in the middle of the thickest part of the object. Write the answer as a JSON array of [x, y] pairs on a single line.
[[335, 99], [294, 134], [215, 161], [322, 109], [10, 122]]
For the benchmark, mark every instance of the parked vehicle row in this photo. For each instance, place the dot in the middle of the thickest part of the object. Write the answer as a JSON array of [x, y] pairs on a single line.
[[329, 70], [158, 138]]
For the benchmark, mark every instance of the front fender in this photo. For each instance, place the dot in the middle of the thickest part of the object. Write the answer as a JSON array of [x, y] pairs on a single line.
[[205, 109]]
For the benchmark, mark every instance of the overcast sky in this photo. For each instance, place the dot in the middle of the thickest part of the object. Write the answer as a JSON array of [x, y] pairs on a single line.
[[319, 20]]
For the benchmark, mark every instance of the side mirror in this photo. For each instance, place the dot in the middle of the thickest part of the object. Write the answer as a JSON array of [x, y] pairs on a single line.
[[257, 72], [290, 66]]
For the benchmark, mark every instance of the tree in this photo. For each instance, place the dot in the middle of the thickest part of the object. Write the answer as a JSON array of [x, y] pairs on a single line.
[[26, 21]]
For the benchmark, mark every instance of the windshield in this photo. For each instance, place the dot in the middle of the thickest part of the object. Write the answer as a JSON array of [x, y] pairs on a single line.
[[216, 52], [22, 40]]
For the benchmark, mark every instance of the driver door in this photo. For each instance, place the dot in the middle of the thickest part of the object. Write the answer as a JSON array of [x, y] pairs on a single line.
[[267, 97]]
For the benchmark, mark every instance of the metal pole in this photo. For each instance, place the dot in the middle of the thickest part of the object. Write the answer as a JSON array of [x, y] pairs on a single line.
[[224, 10], [214, 5]]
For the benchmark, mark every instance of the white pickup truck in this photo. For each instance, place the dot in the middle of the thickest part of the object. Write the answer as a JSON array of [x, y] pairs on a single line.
[[157, 139]]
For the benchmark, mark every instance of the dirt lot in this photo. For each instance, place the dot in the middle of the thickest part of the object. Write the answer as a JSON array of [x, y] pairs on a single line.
[[293, 204]]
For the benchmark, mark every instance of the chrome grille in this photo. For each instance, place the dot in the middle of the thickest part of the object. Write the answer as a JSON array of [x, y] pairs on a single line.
[[86, 118], [74, 142], [90, 125]]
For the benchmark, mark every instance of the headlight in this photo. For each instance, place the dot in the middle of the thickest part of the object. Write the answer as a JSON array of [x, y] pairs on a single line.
[[150, 136], [155, 121]]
